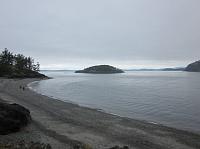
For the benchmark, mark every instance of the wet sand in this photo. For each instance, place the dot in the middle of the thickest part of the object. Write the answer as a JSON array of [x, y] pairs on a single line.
[[63, 124]]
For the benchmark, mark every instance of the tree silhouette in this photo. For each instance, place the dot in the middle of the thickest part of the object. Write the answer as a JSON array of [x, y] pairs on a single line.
[[11, 64], [6, 61]]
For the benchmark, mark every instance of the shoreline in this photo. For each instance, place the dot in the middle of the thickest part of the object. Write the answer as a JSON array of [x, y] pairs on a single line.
[[99, 110], [65, 122], [106, 112]]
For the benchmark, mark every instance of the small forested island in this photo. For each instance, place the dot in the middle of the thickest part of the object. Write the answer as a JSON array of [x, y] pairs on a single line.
[[193, 67], [101, 69], [18, 66]]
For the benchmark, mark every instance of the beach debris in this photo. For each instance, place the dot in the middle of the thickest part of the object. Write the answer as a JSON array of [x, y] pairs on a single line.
[[118, 147], [25, 145], [81, 146]]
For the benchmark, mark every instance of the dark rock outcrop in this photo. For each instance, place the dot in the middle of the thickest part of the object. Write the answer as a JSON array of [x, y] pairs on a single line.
[[101, 69], [13, 117], [193, 67]]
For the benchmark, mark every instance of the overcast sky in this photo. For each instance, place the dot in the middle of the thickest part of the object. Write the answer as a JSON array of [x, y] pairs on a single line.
[[71, 34]]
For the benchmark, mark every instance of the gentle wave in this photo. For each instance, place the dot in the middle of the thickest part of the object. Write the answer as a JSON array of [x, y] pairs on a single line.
[[168, 98]]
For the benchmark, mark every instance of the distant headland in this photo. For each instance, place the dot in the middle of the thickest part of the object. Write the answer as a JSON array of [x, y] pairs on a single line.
[[100, 69], [193, 67]]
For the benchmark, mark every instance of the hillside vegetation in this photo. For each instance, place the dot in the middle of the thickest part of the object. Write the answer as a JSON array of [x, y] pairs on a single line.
[[18, 66], [101, 69]]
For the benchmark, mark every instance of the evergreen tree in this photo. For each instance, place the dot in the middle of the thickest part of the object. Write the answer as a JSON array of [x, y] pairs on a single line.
[[6, 62], [16, 64]]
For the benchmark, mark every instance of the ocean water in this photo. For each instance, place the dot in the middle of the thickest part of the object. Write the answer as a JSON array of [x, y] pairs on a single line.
[[168, 98]]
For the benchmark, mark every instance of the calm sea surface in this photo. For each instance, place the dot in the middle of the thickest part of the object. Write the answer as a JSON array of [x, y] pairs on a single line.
[[168, 98]]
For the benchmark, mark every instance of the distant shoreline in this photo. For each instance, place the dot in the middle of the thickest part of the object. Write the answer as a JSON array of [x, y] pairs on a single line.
[[73, 123], [162, 69]]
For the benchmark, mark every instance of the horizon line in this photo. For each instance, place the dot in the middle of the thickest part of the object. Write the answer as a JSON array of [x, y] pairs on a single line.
[[131, 69]]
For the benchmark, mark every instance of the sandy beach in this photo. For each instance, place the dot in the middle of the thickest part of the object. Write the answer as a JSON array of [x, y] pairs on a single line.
[[63, 124]]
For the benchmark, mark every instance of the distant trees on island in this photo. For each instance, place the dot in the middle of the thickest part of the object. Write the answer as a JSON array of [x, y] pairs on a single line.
[[17, 65]]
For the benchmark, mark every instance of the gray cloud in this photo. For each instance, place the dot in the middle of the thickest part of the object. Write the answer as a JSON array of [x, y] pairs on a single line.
[[74, 34]]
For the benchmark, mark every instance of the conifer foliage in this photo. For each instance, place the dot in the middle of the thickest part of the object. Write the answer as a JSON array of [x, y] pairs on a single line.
[[17, 65]]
